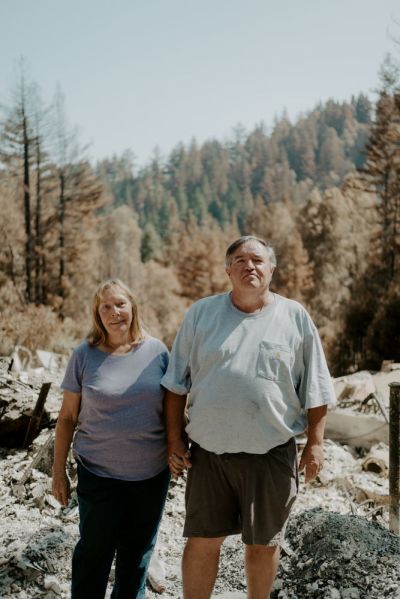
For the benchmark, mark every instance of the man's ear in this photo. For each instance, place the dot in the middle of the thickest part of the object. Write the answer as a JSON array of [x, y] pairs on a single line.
[[228, 270]]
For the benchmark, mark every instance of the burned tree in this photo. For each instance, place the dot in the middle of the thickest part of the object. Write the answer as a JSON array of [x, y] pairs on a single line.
[[16, 153]]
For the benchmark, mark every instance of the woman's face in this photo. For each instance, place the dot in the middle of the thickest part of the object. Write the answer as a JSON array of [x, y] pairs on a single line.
[[115, 311]]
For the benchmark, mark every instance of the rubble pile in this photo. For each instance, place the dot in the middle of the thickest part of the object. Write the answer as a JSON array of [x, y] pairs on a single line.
[[19, 392], [37, 535], [338, 556]]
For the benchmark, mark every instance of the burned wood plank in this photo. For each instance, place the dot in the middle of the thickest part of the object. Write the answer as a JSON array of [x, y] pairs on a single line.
[[37, 414], [394, 457], [42, 451]]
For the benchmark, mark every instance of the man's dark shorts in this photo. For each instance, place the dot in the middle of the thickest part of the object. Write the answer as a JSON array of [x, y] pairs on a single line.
[[243, 493]]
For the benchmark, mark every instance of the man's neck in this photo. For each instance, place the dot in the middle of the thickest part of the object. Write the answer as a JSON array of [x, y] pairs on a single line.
[[251, 303]]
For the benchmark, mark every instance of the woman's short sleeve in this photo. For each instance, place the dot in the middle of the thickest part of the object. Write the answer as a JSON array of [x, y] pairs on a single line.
[[72, 380]]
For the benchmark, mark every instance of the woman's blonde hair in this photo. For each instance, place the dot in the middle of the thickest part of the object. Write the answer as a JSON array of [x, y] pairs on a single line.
[[98, 333]]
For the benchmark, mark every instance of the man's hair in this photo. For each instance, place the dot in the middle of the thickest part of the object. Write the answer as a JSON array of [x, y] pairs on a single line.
[[234, 246]]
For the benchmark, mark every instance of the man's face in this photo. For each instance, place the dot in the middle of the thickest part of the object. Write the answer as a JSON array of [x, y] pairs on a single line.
[[250, 267]]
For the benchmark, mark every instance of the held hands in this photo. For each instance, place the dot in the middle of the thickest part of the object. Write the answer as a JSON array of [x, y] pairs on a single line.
[[61, 487], [178, 458], [312, 460]]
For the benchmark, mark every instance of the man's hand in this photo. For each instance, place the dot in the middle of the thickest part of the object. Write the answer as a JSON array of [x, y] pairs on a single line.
[[178, 452], [61, 487], [312, 460], [178, 458]]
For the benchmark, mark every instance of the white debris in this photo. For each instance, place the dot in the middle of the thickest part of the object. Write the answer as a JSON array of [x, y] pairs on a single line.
[[51, 583], [156, 572], [39, 535], [339, 463], [21, 358], [355, 386], [50, 360]]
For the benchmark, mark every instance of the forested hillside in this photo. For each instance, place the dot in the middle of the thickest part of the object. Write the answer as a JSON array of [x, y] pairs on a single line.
[[227, 180], [324, 190]]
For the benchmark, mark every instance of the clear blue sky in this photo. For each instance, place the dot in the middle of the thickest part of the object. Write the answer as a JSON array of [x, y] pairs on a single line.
[[144, 73]]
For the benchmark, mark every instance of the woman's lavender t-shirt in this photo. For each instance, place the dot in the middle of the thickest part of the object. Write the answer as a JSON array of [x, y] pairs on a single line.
[[120, 430]]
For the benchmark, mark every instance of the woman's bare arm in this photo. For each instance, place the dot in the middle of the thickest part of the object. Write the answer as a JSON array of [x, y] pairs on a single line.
[[65, 428]]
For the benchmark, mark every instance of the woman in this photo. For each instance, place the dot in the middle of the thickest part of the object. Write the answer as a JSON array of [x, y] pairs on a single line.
[[113, 403]]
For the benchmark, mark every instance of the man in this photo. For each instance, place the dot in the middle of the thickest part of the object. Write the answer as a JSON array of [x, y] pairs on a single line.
[[255, 369]]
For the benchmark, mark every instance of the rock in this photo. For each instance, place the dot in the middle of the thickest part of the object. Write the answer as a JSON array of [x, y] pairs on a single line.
[[51, 583], [351, 593], [278, 584]]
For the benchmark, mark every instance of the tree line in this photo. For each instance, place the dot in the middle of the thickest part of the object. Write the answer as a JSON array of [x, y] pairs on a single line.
[[226, 180], [324, 190]]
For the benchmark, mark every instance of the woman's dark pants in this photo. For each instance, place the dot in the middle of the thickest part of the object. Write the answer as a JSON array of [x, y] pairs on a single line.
[[118, 518]]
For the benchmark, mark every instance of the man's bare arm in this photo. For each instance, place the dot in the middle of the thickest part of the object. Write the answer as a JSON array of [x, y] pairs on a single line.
[[178, 453], [312, 457]]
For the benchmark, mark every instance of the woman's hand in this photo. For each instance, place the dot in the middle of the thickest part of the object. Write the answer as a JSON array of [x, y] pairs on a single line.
[[61, 487]]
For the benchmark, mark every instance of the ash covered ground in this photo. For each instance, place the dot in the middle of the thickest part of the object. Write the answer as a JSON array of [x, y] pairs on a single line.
[[337, 542], [337, 546]]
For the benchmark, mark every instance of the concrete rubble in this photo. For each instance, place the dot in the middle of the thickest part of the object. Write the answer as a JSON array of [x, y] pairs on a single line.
[[337, 542]]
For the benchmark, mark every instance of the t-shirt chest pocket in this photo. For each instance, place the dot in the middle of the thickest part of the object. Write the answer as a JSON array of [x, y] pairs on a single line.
[[274, 361]]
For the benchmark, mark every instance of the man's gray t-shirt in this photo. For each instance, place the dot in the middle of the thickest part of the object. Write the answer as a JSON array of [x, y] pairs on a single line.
[[120, 431], [250, 377]]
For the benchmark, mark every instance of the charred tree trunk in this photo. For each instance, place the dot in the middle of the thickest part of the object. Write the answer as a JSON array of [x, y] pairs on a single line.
[[27, 210], [61, 237], [38, 229]]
